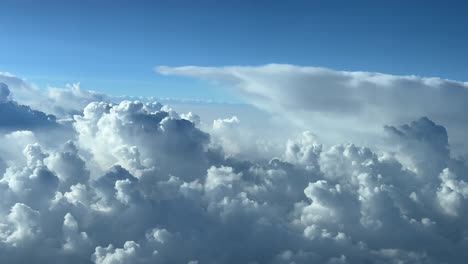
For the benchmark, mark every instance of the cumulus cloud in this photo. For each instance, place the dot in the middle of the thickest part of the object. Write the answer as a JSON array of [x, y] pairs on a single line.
[[142, 137], [135, 182], [241, 141]]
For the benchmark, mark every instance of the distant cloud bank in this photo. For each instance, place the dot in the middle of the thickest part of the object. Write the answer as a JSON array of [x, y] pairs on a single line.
[[344, 101]]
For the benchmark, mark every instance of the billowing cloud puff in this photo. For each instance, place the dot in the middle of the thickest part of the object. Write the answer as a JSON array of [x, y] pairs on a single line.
[[240, 141], [142, 137], [136, 182]]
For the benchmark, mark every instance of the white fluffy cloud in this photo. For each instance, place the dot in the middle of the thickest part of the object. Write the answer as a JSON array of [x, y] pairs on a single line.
[[135, 182]]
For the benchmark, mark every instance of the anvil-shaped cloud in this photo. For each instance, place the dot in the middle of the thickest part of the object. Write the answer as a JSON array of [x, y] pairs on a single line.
[[342, 102]]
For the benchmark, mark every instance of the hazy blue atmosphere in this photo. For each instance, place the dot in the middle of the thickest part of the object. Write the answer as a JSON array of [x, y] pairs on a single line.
[[212, 132], [112, 46]]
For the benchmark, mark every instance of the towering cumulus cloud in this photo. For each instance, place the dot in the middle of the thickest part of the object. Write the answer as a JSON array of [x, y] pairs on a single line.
[[134, 182]]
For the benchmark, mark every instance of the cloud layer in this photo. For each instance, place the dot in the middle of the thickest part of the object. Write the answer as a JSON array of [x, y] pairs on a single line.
[[135, 182]]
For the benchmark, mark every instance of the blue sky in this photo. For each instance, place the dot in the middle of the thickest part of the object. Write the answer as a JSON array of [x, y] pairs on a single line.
[[112, 46]]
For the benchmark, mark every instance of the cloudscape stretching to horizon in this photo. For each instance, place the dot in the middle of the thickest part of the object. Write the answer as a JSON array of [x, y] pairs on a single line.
[[233, 132]]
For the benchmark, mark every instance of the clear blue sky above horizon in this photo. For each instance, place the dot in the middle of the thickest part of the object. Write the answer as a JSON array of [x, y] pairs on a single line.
[[112, 46]]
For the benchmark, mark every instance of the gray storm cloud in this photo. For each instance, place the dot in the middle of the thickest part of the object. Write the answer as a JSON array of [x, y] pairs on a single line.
[[135, 182]]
